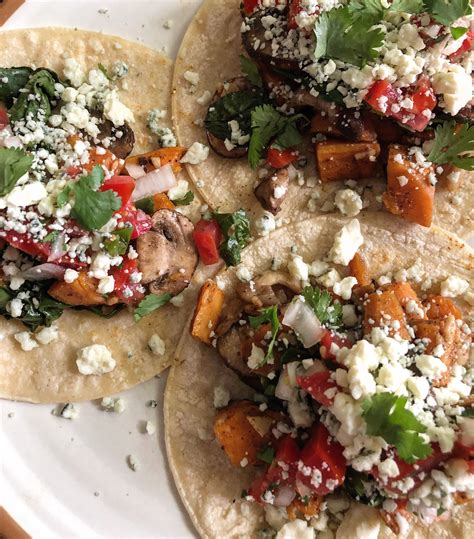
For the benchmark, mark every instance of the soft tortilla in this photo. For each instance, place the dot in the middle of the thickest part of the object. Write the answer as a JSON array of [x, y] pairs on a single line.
[[211, 48], [209, 486], [49, 373]]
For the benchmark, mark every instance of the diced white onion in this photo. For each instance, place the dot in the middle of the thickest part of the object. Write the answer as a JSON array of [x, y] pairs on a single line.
[[302, 319], [57, 249], [44, 272], [157, 181], [284, 497], [135, 171]]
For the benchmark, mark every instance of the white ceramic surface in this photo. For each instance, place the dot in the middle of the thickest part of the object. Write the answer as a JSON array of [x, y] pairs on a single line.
[[69, 479]]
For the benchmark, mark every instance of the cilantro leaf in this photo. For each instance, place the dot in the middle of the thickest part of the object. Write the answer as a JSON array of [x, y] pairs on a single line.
[[268, 124], [386, 416], [5, 297], [446, 12], [267, 316], [39, 91], [451, 143], [350, 39], [146, 204], [236, 230], [186, 200], [250, 70], [328, 311], [92, 209], [51, 237], [117, 245], [267, 454], [151, 303], [458, 31], [14, 163], [407, 6]]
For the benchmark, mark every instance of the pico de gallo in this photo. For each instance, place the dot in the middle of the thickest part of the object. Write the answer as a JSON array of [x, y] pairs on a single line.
[[383, 89], [364, 390], [84, 224]]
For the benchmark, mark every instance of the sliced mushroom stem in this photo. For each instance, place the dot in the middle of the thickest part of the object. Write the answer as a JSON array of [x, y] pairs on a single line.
[[272, 190]]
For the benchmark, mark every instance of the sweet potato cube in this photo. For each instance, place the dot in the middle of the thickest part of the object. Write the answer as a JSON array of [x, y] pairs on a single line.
[[158, 158], [409, 190], [384, 310], [82, 291], [358, 269], [207, 312], [438, 307], [161, 201], [322, 124], [408, 299], [337, 161]]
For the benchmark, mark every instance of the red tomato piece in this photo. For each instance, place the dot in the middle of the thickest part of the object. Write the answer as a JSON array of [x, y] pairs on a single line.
[[140, 220], [381, 96], [207, 237], [25, 243], [250, 6], [463, 451], [4, 119], [281, 158], [465, 46], [295, 9], [323, 458], [317, 384], [123, 186], [73, 171], [327, 349], [126, 291]]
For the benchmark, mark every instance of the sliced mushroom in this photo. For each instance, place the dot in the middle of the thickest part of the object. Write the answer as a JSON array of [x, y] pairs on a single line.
[[167, 256], [272, 190], [122, 139], [218, 145], [271, 288]]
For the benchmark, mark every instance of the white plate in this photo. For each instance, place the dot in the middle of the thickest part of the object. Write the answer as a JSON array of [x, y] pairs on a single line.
[[51, 468]]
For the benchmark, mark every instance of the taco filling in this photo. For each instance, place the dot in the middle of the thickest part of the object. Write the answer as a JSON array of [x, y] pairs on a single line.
[[364, 389], [82, 224], [380, 89]]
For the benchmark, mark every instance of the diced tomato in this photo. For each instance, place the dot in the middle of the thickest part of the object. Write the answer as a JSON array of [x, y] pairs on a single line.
[[73, 171], [25, 243], [295, 9], [463, 451], [381, 96], [317, 384], [465, 46], [127, 291], [330, 338], [207, 237], [4, 119], [122, 185], [324, 459], [281, 158], [250, 6], [140, 220], [424, 101]]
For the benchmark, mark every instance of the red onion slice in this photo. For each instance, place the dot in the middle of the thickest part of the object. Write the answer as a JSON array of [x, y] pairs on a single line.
[[157, 181], [57, 249], [135, 171], [43, 272], [284, 497]]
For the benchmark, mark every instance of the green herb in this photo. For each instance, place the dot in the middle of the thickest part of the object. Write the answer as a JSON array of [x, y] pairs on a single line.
[[250, 70], [92, 208], [355, 485], [186, 200], [117, 245], [386, 416], [14, 163], [451, 143], [104, 311], [407, 6], [268, 124], [236, 230], [15, 79], [468, 412], [266, 455], [151, 303], [267, 316], [373, 11], [236, 106], [104, 70], [345, 37], [5, 297], [146, 204], [326, 309], [36, 97], [458, 31], [447, 11], [51, 237]]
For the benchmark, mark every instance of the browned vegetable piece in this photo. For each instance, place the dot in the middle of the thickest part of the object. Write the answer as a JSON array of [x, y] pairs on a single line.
[[338, 161], [406, 296], [243, 430], [272, 190], [358, 269], [161, 201], [323, 124], [270, 288], [122, 139], [82, 291], [382, 309], [207, 311], [440, 307], [409, 190], [388, 132], [158, 158]]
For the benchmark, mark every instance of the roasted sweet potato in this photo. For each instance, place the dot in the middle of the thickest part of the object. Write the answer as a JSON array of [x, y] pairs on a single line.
[[207, 311], [384, 310], [161, 200], [440, 307], [409, 190], [99, 157], [158, 158], [82, 291], [307, 509], [358, 269], [242, 430], [322, 123], [406, 295], [337, 161]]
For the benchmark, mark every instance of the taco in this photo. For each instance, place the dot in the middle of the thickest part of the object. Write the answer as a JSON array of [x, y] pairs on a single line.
[[91, 240], [325, 387], [299, 125]]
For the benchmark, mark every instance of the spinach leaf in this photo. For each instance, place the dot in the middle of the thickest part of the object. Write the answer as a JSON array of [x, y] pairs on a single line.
[[12, 80], [36, 99], [236, 230], [117, 245], [14, 163]]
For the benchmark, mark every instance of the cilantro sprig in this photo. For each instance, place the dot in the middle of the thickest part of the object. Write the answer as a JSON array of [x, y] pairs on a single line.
[[267, 454], [326, 309], [250, 70], [451, 145], [151, 303], [386, 416], [14, 163], [235, 228], [186, 200], [270, 125], [446, 12], [268, 315], [117, 244]]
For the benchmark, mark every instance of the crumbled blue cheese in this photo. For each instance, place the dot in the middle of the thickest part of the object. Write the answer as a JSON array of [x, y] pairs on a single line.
[[348, 202], [346, 243], [115, 110], [26, 341], [157, 345], [349, 315], [453, 286], [344, 288], [430, 366], [119, 70], [150, 428], [95, 359], [192, 77], [298, 529], [112, 404], [221, 397], [133, 463], [70, 275], [256, 358], [244, 274], [66, 411], [179, 190], [74, 72], [265, 223], [196, 154], [47, 335], [298, 268]]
